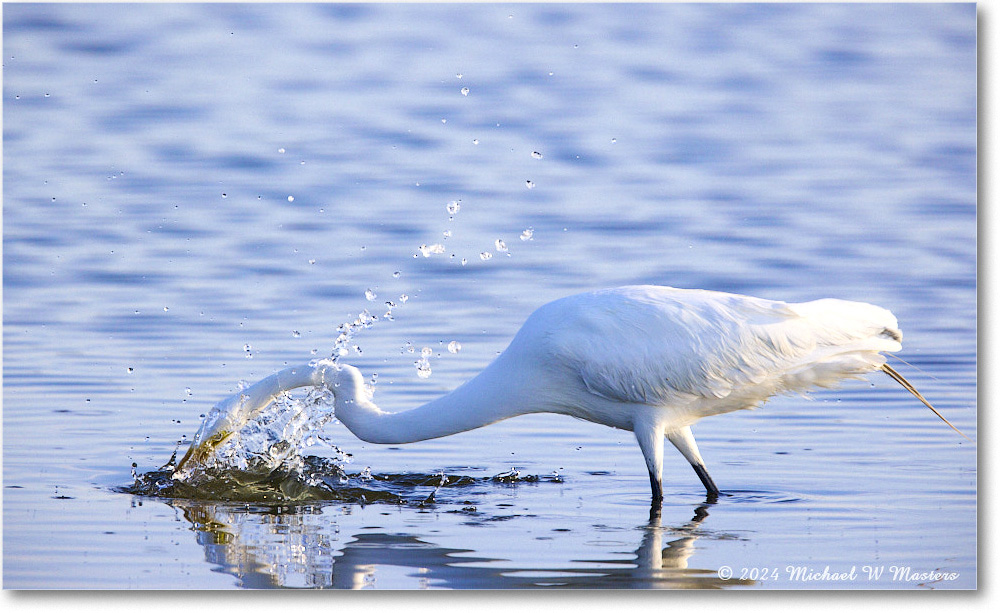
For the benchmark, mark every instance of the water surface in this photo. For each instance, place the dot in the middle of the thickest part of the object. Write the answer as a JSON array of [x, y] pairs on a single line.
[[199, 195]]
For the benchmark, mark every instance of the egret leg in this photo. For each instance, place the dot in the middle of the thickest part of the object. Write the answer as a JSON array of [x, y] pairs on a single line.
[[683, 440], [650, 437]]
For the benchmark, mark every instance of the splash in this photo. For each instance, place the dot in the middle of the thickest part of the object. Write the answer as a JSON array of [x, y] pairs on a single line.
[[261, 445]]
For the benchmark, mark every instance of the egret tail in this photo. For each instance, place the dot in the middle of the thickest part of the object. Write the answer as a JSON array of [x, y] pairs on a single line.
[[889, 370]]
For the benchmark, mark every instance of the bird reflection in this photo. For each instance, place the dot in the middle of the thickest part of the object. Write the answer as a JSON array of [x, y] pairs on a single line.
[[300, 547]]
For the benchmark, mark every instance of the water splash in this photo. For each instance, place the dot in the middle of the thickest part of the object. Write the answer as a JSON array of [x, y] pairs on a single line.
[[268, 443]]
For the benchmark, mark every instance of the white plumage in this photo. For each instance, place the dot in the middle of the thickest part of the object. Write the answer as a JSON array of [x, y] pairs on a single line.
[[652, 360]]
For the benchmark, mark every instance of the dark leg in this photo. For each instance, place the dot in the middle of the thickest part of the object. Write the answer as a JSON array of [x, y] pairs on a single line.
[[706, 480], [657, 489], [656, 505]]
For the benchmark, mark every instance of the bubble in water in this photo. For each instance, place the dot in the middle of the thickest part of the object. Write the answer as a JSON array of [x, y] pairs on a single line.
[[425, 352], [224, 195], [395, 275], [536, 155], [291, 198], [403, 298], [370, 294], [529, 184], [465, 91], [464, 261], [248, 350], [485, 255], [281, 150], [296, 334], [458, 75], [454, 347], [527, 234], [501, 246], [475, 141], [446, 233], [614, 140], [454, 207]]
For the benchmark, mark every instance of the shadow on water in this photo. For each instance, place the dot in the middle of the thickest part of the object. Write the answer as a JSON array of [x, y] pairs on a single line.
[[319, 479], [295, 547]]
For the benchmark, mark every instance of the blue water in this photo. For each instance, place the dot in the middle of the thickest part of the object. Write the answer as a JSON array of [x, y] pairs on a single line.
[[198, 195]]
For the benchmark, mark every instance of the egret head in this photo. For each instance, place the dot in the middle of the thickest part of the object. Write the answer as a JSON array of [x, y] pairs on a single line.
[[348, 386]]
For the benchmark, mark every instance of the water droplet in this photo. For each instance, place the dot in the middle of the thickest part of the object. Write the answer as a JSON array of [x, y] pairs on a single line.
[[403, 298], [130, 370], [485, 255], [281, 150], [423, 370], [527, 234], [536, 155], [447, 233], [395, 275], [458, 76], [501, 246], [464, 261], [370, 294], [454, 207], [444, 121], [247, 350], [425, 352], [454, 347], [291, 198], [428, 250], [224, 195], [47, 95], [529, 184], [312, 261], [614, 140], [166, 309], [296, 334], [475, 141], [187, 390]]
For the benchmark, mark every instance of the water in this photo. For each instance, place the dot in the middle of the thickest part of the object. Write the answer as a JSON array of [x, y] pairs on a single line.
[[199, 195]]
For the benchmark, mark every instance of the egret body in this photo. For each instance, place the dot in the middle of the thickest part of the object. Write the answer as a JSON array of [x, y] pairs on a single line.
[[647, 359]]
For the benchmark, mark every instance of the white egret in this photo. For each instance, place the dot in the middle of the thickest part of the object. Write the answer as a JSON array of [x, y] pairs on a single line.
[[651, 360]]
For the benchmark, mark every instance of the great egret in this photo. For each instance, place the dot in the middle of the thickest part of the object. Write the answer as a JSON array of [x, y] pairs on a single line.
[[648, 359]]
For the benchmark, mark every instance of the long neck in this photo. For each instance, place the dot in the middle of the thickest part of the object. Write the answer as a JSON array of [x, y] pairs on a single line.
[[493, 395]]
